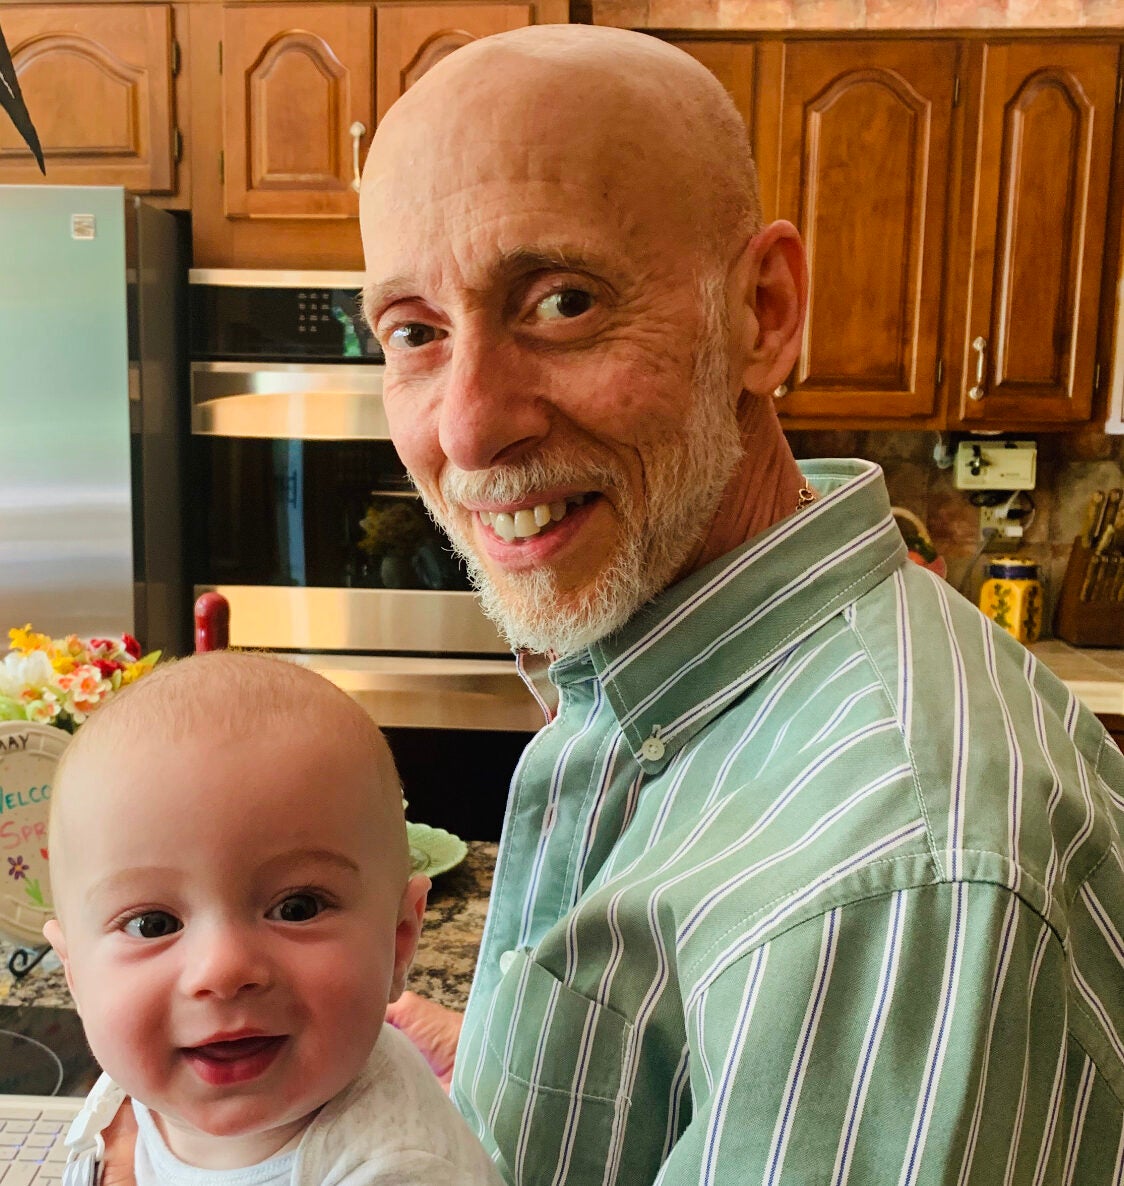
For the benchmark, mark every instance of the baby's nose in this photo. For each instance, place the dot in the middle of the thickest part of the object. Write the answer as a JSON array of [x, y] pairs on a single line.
[[225, 962]]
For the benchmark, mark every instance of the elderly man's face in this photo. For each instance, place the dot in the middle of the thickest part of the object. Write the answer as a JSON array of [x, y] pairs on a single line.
[[557, 379]]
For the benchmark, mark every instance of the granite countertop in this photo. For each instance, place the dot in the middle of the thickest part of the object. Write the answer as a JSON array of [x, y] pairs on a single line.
[[443, 967], [1095, 675]]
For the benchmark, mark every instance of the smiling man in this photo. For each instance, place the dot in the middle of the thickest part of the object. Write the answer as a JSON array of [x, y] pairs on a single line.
[[814, 876]]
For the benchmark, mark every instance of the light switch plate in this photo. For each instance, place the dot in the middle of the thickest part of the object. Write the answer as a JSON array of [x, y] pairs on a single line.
[[996, 465]]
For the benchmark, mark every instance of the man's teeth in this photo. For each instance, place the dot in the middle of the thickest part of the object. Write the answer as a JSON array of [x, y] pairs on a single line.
[[528, 521]]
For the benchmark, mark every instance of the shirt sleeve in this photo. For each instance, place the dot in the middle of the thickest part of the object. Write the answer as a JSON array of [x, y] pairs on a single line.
[[916, 1037]]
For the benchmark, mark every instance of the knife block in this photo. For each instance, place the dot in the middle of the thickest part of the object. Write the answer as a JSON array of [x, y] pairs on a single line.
[[1090, 622]]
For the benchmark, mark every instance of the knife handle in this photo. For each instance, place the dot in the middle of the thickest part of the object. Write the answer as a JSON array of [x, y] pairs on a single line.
[[1093, 513]]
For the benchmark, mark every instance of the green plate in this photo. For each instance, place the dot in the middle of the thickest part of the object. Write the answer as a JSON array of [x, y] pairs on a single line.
[[433, 850]]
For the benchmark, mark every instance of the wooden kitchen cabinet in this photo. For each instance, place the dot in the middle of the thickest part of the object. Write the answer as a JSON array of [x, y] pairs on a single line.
[[950, 191], [97, 80], [864, 149], [1033, 215], [295, 79], [278, 93]]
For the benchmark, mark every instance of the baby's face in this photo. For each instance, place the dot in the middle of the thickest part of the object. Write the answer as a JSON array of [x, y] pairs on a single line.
[[229, 928]]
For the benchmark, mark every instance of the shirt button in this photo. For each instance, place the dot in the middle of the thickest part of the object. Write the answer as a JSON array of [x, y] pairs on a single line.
[[507, 958], [652, 749]]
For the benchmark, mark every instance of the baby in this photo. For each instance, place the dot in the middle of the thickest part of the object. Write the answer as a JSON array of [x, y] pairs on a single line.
[[235, 909]]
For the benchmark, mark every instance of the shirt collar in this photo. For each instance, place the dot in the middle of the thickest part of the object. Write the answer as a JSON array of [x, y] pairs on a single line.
[[696, 647]]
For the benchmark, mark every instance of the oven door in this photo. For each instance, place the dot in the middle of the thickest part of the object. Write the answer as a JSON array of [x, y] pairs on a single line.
[[306, 520]]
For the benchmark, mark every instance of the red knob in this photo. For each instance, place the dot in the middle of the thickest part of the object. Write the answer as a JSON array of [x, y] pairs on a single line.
[[212, 622]]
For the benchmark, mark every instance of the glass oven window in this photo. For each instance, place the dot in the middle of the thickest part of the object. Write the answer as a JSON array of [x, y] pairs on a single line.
[[335, 514]]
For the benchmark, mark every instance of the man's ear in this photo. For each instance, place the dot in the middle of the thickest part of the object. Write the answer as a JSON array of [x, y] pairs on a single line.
[[769, 299], [53, 933], [410, 913]]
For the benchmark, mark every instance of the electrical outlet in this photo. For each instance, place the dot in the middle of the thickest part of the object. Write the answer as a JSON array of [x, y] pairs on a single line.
[[995, 519]]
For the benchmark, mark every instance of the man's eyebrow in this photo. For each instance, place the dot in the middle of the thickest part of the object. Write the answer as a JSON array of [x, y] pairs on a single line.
[[519, 261], [375, 295]]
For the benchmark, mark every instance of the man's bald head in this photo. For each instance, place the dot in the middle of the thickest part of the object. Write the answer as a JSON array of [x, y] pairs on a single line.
[[613, 107]]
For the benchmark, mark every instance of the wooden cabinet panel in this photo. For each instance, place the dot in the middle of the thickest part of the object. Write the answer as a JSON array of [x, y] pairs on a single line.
[[1043, 121], [296, 78], [414, 37], [97, 80], [732, 63], [865, 135]]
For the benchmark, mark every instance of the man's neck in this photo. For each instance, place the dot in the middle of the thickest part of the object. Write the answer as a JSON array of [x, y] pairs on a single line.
[[764, 489]]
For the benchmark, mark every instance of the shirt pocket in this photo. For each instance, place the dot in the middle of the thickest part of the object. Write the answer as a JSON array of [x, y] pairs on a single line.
[[553, 1067]]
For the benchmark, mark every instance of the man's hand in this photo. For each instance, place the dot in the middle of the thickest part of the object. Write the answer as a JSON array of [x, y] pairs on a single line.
[[120, 1141], [432, 1028]]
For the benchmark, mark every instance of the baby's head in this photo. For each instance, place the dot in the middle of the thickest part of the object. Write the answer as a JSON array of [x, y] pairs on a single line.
[[230, 875]]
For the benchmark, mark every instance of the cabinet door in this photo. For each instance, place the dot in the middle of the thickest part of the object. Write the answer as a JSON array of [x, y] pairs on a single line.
[[1035, 231], [97, 80], [863, 172], [295, 78], [414, 37]]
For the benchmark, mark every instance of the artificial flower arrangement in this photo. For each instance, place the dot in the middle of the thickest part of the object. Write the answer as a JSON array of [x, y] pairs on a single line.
[[60, 681]]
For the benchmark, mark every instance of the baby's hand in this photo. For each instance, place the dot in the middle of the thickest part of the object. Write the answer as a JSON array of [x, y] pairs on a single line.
[[432, 1028], [120, 1142]]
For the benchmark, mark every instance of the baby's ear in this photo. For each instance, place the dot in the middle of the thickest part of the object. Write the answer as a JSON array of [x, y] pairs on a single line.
[[53, 933], [410, 913]]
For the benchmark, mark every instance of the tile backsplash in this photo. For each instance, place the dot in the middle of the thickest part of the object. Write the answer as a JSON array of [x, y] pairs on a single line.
[[853, 14], [1070, 467]]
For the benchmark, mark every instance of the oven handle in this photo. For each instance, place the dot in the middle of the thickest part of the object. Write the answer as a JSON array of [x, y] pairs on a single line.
[[288, 400]]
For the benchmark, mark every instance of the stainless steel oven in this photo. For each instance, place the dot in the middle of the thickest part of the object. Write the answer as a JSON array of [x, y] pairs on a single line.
[[308, 524]]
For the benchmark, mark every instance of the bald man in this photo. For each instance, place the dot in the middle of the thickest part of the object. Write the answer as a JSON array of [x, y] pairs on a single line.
[[814, 876]]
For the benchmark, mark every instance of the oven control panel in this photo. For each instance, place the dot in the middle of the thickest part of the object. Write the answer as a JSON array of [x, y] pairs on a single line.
[[279, 317]]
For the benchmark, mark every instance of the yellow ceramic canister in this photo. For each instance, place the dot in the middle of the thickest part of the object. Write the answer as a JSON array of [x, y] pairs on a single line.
[[1011, 597]]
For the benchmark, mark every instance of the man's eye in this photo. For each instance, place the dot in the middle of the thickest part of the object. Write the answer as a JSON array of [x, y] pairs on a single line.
[[566, 303], [413, 335], [296, 908], [154, 924]]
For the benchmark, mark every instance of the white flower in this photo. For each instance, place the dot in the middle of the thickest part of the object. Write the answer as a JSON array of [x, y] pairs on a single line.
[[19, 672]]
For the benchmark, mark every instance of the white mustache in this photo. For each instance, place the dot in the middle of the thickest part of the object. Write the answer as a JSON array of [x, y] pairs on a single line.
[[526, 479]]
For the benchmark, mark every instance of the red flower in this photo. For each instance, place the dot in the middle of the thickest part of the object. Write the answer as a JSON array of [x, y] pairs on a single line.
[[131, 645], [108, 666]]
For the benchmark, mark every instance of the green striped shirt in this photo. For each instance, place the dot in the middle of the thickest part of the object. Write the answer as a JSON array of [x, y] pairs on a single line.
[[815, 877]]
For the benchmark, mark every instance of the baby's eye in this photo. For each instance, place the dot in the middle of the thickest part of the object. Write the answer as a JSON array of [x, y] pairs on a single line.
[[565, 303], [412, 335], [296, 908], [153, 924]]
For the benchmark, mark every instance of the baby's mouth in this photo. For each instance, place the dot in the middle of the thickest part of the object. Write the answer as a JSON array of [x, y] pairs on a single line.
[[530, 521], [234, 1060]]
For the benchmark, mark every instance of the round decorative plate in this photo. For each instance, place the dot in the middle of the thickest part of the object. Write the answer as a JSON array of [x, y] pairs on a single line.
[[433, 850], [29, 754]]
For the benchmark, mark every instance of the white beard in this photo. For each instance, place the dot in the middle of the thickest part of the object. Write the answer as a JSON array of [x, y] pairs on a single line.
[[685, 477]]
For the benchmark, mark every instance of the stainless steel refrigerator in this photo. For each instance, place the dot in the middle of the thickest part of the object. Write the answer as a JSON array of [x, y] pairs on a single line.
[[92, 415]]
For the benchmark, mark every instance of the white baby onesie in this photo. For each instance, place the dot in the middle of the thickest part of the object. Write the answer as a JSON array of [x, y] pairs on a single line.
[[393, 1125]]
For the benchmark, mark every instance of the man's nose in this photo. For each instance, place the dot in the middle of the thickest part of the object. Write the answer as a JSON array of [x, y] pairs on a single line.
[[224, 961], [493, 407]]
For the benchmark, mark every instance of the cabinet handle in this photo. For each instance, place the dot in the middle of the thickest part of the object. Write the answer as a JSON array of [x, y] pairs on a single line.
[[979, 345], [780, 391], [358, 131]]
